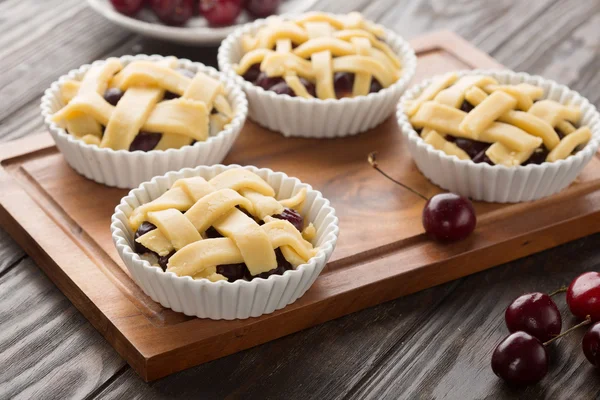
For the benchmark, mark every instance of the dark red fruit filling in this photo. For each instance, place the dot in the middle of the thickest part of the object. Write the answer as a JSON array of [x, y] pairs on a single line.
[[267, 83], [233, 272], [163, 260], [170, 96], [145, 141], [342, 84], [173, 12], [262, 8], [538, 156], [466, 106], [113, 95], [252, 74], [282, 266], [292, 216], [375, 86], [310, 87], [212, 233], [144, 228], [282, 88], [220, 12], [128, 7], [472, 147]]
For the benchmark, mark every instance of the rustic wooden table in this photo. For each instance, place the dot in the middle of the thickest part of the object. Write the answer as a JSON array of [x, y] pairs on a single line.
[[434, 344]]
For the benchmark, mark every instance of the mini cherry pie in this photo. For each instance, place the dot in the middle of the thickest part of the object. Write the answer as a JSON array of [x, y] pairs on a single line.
[[144, 105], [230, 227], [319, 56], [476, 118]]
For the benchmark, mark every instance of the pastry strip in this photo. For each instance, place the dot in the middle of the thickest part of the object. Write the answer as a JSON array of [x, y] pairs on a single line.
[[441, 118], [510, 136], [486, 112], [437, 85], [253, 242], [553, 112], [148, 73], [438, 142], [362, 80], [323, 69], [526, 121], [129, 116], [455, 94], [569, 143], [502, 155]]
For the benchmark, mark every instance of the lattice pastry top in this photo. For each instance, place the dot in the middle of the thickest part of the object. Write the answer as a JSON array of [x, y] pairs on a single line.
[[476, 118], [230, 227], [145, 105], [319, 55]]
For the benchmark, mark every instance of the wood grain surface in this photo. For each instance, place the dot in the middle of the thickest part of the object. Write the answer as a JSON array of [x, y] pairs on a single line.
[[409, 348]]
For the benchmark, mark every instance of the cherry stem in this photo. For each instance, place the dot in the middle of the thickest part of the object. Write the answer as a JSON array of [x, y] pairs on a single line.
[[372, 158], [557, 291], [587, 321]]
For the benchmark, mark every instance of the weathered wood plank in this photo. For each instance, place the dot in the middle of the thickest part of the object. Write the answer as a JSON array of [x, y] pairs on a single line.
[[449, 355], [59, 35], [321, 362], [10, 252], [48, 348]]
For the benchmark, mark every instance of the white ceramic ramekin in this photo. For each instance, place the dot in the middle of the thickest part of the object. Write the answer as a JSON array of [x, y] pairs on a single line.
[[127, 169], [499, 183], [295, 116], [226, 300]]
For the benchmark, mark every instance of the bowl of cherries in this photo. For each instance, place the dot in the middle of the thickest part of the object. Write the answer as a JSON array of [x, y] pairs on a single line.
[[203, 22], [534, 323]]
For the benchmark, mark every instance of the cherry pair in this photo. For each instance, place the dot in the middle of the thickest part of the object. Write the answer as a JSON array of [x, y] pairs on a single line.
[[535, 322]]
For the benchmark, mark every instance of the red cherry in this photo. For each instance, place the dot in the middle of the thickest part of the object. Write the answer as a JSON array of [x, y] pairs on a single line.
[[520, 359], [262, 8], [449, 217], [536, 314], [128, 7], [591, 344], [173, 12], [221, 12], [583, 296]]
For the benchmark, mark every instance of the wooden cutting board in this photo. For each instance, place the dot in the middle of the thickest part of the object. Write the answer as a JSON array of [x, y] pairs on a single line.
[[62, 220]]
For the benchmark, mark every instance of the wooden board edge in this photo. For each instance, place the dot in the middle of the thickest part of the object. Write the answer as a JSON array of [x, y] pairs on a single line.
[[63, 281], [410, 282], [457, 46]]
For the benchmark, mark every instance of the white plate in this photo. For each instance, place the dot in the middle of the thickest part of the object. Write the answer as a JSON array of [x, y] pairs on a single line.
[[196, 31]]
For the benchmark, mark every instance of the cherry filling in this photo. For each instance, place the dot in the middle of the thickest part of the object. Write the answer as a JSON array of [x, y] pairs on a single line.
[[145, 141], [293, 217], [164, 260], [252, 74], [232, 272], [266, 82], [476, 150], [282, 266], [113, 95], [342, 83]]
